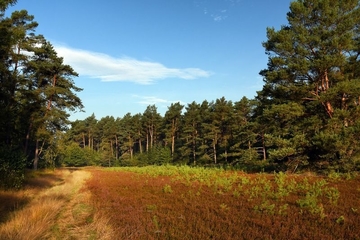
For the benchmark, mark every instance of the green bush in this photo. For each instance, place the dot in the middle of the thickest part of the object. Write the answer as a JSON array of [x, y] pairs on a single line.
[[158, 155], [75, 156], [12, 168]]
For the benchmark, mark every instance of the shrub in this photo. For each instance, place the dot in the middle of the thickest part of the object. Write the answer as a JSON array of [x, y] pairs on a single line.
[[158, 155], [75, 156], [12, 166]]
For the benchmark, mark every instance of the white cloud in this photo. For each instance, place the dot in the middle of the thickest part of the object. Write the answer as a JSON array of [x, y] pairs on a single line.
[[152, 100], [108, 68]]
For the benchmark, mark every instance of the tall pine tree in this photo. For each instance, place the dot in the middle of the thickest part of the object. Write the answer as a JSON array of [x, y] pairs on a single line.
[[312, 84]]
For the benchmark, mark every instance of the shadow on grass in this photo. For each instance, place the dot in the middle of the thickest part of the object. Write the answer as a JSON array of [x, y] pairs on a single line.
[[10, 202], [14, 200], [42, 180]]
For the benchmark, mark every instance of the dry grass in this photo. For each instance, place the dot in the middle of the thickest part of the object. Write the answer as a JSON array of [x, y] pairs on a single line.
[[12, 201], [78, 220], [52, 206], [35, 208]]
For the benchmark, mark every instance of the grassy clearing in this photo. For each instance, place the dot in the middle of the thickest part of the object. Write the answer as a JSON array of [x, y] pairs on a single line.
[[189, 203], [52, 206], [181, 203]]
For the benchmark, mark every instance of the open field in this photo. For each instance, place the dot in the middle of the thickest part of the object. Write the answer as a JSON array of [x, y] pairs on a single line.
[[185, 203], [181, 203]]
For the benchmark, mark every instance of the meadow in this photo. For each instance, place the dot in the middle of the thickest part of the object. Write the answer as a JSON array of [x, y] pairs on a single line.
[[196, 203], [181, 202]]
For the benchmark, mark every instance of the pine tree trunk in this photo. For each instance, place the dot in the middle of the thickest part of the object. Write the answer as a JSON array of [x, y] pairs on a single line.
[[214, 149], [130, 147], [84, 141], [27, 139], [263, 145], [140, 145], [325, 86], [173, 131], [116, 148], [172, 145], [194, 150], [36, 158], [89, 137], [151, 137]]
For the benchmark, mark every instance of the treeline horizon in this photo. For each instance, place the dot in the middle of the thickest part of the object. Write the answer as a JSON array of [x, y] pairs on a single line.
[[199, 133]]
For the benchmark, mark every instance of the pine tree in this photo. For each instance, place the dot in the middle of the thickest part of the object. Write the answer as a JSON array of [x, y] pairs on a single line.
[[172, 121], [190, 132], [151, 122], [52, 90], [312, 82]]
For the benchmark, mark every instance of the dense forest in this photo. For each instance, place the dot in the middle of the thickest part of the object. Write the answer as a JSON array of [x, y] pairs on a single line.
[[305, 117]]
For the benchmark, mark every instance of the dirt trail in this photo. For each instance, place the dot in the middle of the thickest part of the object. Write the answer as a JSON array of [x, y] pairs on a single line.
[[78, 219], [62, 211]]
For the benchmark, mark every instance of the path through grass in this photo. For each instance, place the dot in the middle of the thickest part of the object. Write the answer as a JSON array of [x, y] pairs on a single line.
[[54, 205]]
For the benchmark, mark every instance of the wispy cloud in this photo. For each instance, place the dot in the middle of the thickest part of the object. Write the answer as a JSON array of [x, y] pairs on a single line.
[[150, 100], [219, 11], [108, 68], [218, 18], [219, 15], [153, 100]]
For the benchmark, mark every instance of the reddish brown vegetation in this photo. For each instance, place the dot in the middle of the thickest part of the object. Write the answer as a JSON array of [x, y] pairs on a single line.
[[143, 207]]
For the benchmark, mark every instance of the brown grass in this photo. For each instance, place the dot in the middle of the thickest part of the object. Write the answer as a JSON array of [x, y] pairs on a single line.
[[52, 206], [11, 201]]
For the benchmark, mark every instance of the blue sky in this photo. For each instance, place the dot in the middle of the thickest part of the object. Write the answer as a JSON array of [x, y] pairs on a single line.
[[134, 53]]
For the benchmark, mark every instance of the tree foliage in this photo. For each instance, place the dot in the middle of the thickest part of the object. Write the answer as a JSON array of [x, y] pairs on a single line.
[[37, 92], [306, 115], [311, 94]]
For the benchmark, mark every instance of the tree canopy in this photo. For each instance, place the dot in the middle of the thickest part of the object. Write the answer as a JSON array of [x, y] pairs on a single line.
[[312, 83], [37, 93]]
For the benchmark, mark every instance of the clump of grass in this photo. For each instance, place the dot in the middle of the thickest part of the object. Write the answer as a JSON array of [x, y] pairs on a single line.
[[167, 189]]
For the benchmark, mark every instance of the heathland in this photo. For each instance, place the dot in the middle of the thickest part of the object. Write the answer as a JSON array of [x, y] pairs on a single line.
[[181, 203]]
